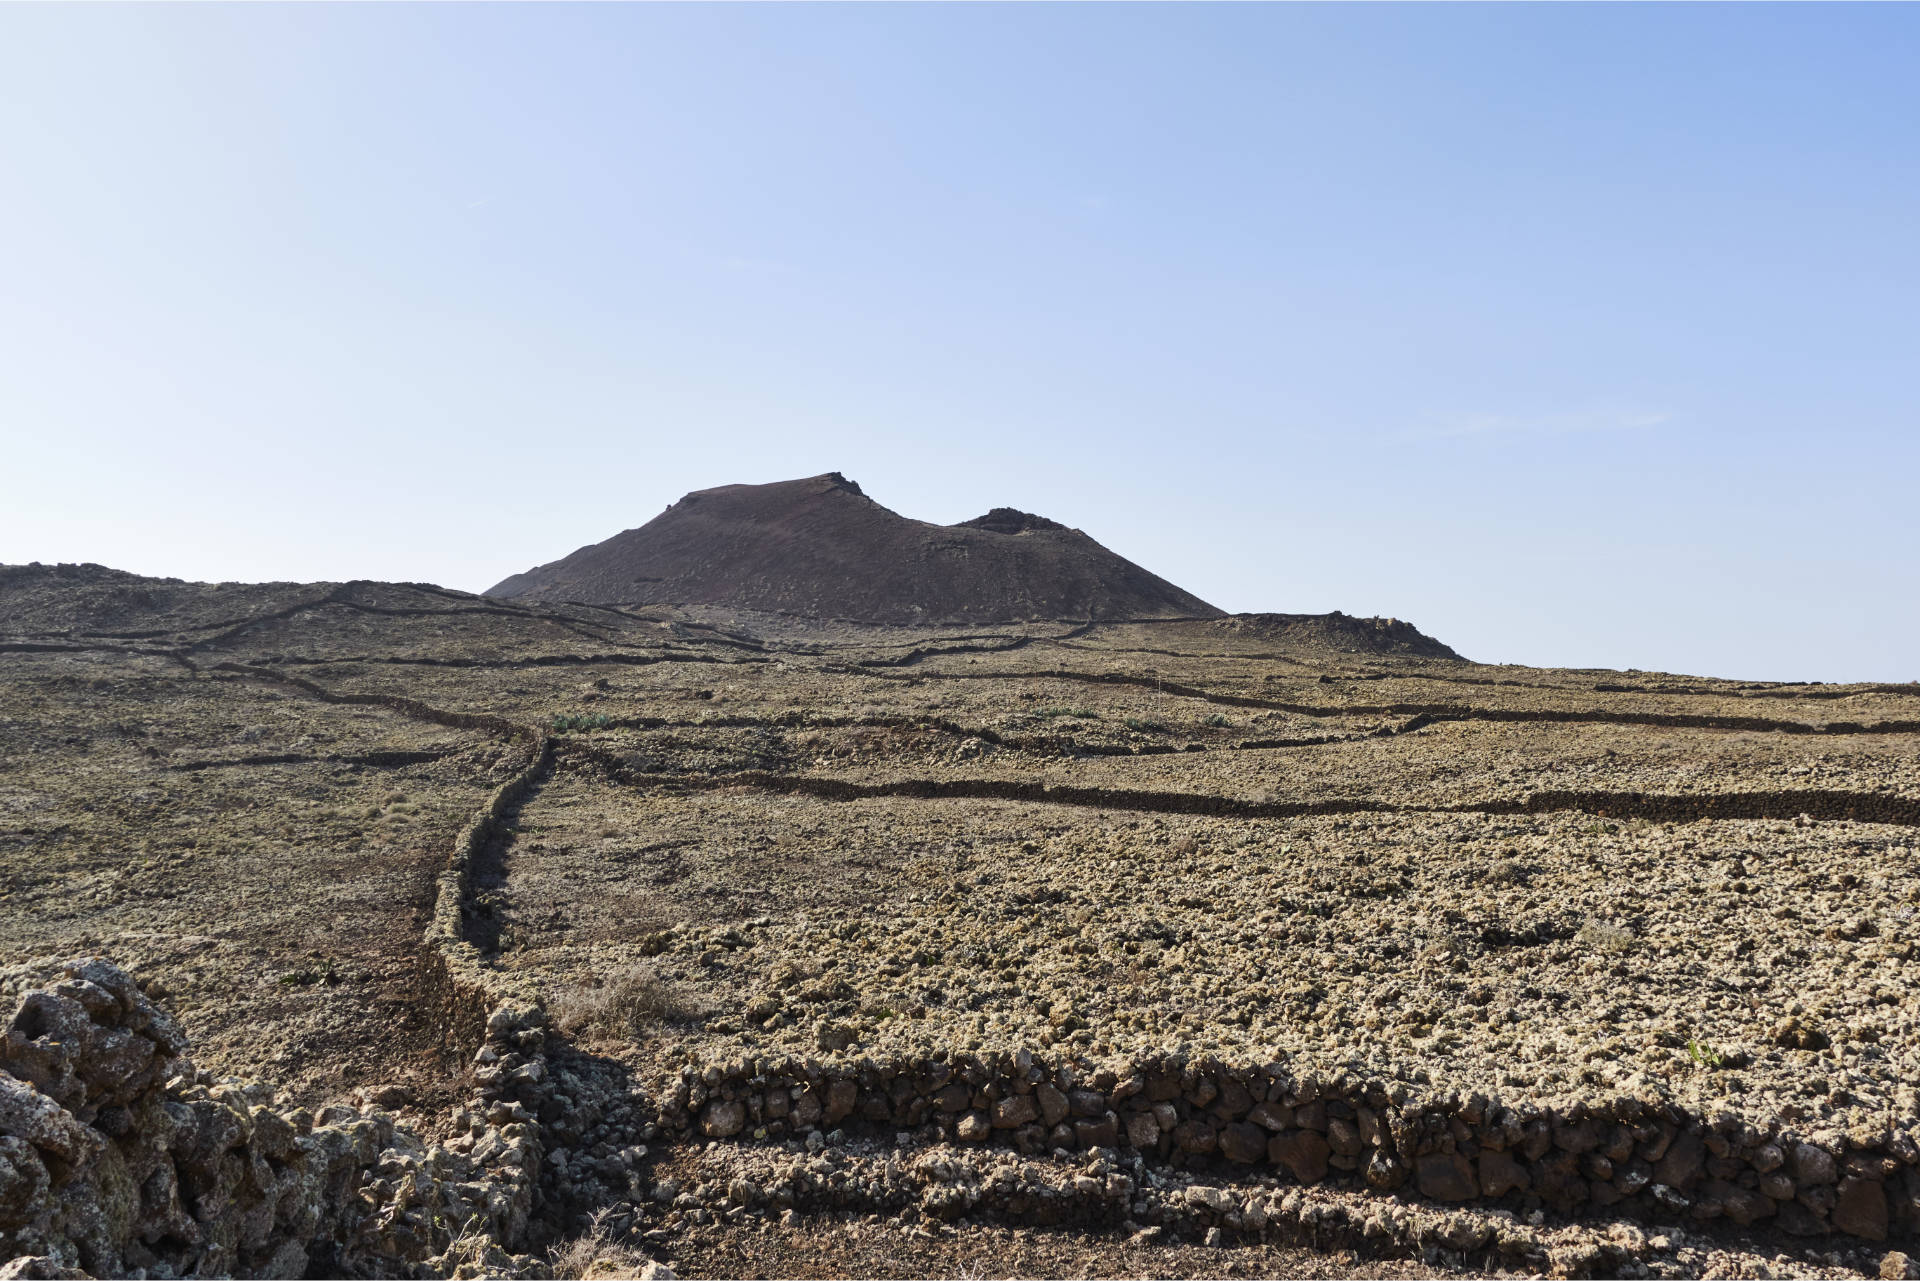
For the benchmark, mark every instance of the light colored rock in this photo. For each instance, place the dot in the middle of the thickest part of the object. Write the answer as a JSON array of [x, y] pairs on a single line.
[[1215, 1200], [723, 1119], [1813, 1165]]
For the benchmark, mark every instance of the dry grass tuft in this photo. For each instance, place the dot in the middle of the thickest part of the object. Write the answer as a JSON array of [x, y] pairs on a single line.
[[469, 1246], [596, 1255], [624, 1006], [1606, 937]]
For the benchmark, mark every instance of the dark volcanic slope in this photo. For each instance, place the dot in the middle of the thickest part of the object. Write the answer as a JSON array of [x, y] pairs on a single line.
[[1340, 632], [821, 548]]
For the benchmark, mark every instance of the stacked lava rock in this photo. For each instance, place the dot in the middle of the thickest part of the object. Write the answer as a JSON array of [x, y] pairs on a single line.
[[116, 1155], [1634, 1158]]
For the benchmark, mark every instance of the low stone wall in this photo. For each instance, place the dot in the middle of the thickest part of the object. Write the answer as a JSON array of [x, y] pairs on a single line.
[[1626, 1157], [405, 706], [459, 986], [1433, 713], [117, 1155], [1655, 807], [1108, 1191]]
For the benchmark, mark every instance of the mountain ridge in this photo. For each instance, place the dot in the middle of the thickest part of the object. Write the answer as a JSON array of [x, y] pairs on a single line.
[[821, 547]]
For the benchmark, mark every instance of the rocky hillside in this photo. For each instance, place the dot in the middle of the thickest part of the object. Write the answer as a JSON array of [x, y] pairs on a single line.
[[822, 549], [1340, 633]]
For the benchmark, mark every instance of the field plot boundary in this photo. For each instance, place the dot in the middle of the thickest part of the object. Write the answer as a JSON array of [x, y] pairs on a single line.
[[1434, 713], [1315, 1125], [1623, 1156], [1668, 807]]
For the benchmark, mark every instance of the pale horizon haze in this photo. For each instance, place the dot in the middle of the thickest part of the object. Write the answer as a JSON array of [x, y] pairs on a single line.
[[1579, 336]]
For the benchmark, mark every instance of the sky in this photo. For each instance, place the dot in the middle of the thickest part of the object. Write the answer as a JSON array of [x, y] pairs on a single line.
[[1578, 335]]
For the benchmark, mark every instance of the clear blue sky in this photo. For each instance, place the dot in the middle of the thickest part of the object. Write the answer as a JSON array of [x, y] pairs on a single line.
[[1578, 335]]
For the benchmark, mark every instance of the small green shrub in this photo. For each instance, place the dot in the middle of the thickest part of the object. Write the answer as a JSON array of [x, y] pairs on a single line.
[[564, 724], [1218, 721], [325, 975]]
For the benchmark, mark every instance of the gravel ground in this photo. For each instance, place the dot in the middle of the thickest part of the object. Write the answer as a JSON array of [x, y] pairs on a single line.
[[265, 860], [1553, 955], [831, 842]]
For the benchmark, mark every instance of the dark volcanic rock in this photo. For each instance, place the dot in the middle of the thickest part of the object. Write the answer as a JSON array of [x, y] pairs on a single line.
[[1006, 520], [1341, 633], [821, 548]]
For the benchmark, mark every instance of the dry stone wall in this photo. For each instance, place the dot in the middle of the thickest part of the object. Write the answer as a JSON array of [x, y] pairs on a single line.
[[1787, 805], [115, 1155], [118, 1156], [1425, 714], [1625, 1157]]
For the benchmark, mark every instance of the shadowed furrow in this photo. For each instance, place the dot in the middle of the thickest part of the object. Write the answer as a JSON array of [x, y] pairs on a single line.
[[1658, 807]]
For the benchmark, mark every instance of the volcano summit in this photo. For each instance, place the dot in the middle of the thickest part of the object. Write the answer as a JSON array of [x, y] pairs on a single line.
[[821, 548]]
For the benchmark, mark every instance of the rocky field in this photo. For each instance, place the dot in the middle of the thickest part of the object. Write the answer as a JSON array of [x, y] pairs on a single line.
[[714, 941]]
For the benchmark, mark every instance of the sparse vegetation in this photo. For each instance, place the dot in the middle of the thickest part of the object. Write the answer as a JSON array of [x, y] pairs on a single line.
[[598, 1255], [1606, 937], [626, 1006], [469, 1247], [324, 975], [1704, 1055], [1505, 872], [1420, 911]]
